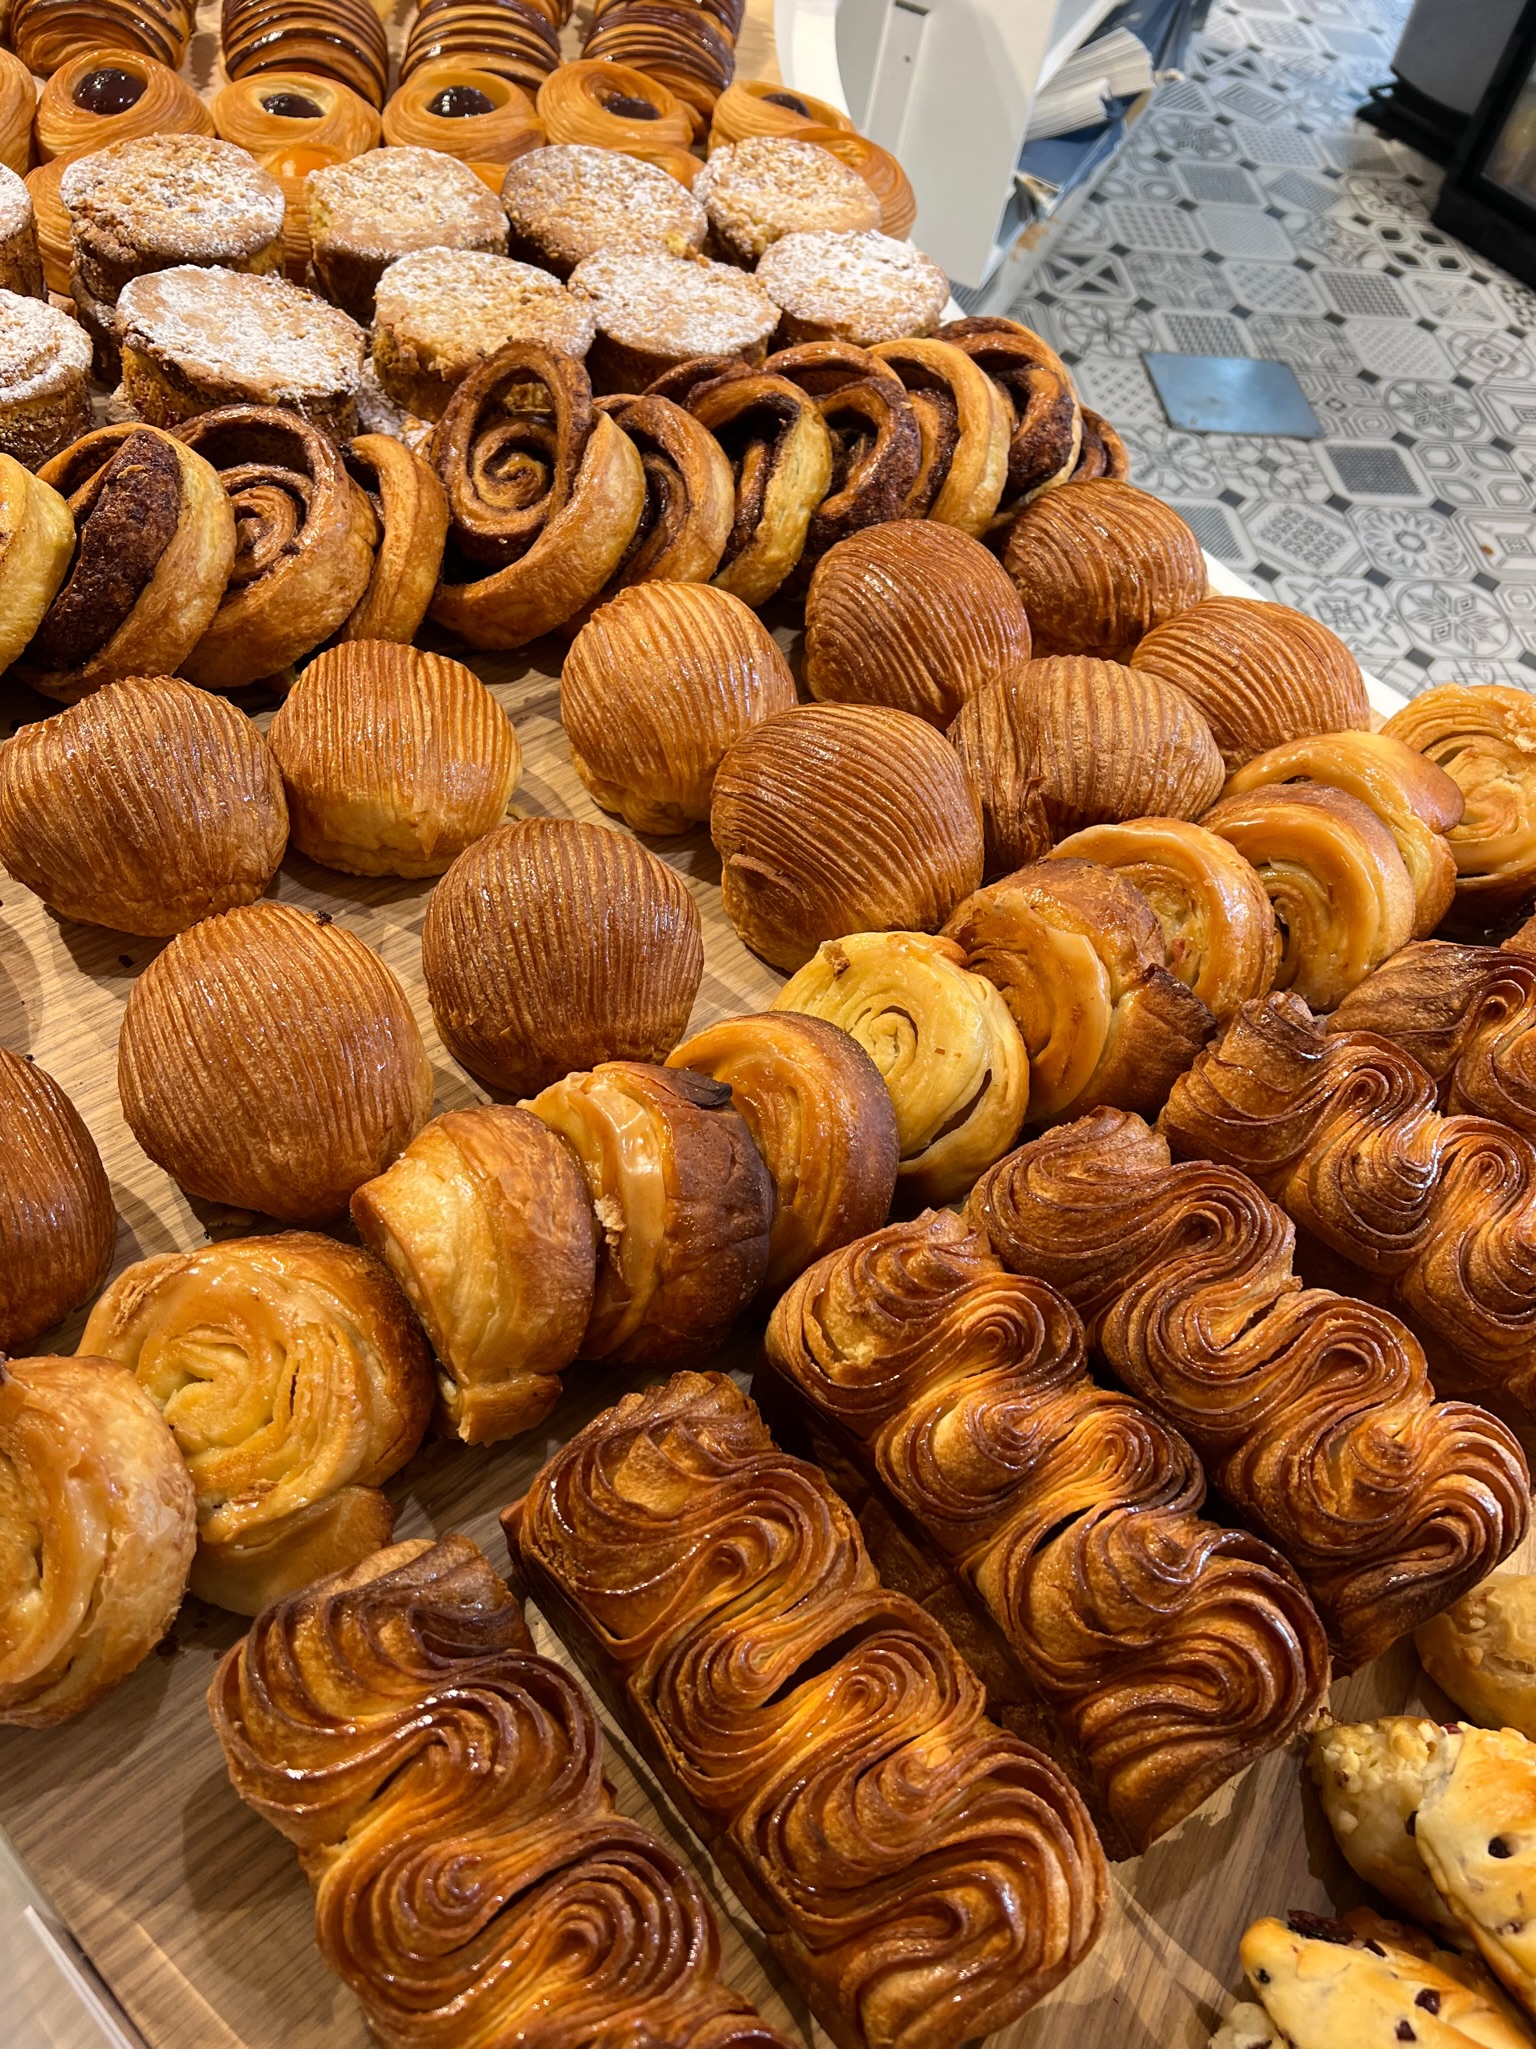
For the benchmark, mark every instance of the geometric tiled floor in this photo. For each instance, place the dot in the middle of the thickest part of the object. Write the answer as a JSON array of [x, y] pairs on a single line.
[[1250, 214]]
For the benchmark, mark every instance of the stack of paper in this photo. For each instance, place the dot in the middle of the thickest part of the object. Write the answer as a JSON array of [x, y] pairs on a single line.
[[1116, 67]]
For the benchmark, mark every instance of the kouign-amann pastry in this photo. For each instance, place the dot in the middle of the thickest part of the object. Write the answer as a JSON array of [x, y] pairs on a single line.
[[154, 545], [862, 287], [950, 1054], [145, 807], [1070, 741], [821, 1116], [683, 1200], [44, 33], [45, 367], [613, 106], [1218, 924], [1371, 1778], [1484, 737], [551, 944], [656, 686], [340, 39], [963, 420], [282, 110], [410, 509], [876, 441], [757, 106], [485, 1222], [568, 201], [1048, 422], [269, 1059], [394, 760], [690, 498], [1099, 566], [915, 616], [37, 541], [193, 339], [654, 310], [1079, 957], [839, 818], [1474, 1832], [518, 40], [57, 1222], [21, 267], [395, 1724], [466, 113], [767, 186], [96, 1532], [367, 213], [440, 313], [1482, 1652], [102, 95], [295, 1381], [1262, 673]]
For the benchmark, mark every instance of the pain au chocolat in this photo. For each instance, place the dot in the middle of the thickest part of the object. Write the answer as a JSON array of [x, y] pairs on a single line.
[[550, 945], [57, 1221], [1098, 565], [269, 1060], [1484, 737]]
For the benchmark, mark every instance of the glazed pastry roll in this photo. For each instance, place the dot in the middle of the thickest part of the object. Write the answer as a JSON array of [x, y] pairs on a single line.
[[518, 40], [45, 364], [38, 529], [1485, 740], [464, 112], [295, 1381], [1482, 1652], [485, 1222], [44, 33], [679, 44], [1047, 420], [296, 108], [570, 200], [683, 1200], [1371, 1778], [410, 510], [942, 1037], [1475, 1833], [964, 423], [97, 1528], [440, 313], [690, 498], [1103, 453], [58, 1224], [1099, 565]]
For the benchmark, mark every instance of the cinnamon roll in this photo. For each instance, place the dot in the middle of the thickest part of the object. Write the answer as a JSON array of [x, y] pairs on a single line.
[[97, 1529], [45, 366], [602, 104], [45, 33], [281, 110], [690, 498], [464, 112], [153, 549], [861, 288], [1047, 430], [37, 540], [957, 1071], [773, 185], [440, 313], [1103, 453], [294, 1380], [964, 422], [365, 214], [757, 106], [517, 40], [568, 201], [103, 94], [410, 508], [655, 311], [675, 42], [1099, 566], [543, 504], [340, 39], [57, 1221], [1485, 740], [876, 446]]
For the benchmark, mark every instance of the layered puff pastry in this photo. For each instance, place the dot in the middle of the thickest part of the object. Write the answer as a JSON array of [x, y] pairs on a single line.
[[1341, 1129], [295, 1381], [923, 1876], [1482, 1652], [1485, 740], [145, 807], [1166, 1652], [963, 423], [1047, 421], [683, 1200], [58, 1224], [38, 542], [839, 818], [690, 498], [394, 760], [269, 1059], [656, 687], [97, 1528], [444, 1788], [1312, 1412], [820, 1114], [1099, 565], [952, 1058], [552, 944], [1071, 741], [876, 442], [485, 1222], [1080, 960]]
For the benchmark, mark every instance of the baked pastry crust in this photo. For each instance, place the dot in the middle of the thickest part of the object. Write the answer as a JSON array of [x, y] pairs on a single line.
[[654, 311], [45, 33], [96, 1530], [766, 186], [1482, 1652], [1371, 1778], [18, 102], [367, 213], [67, 125], [839, 818], [1473, 1832], [876, 442], [862, 287], [516, 39], [440, 313], [551, 943], [51, 219], [291, 165], [1485, 740], [683, 46], [690, 498], [57, 1221], [1047, 421], [294, 1380], [881, 172], [569, 200], [1099, 566], [145, 807], [588, 101], [427, 111], [269, 1060], [261, 112], [410, 509], [340, 39], [758, 106], [657, 685], [45, 364], [1103, 453], [964, 422]]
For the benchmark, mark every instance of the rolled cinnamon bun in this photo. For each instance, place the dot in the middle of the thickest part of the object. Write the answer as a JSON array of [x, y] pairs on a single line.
[[965, 425], [103, 94], [1484, 737], [876, 444], [410, 508], [1047, 421], [37, 541], [1103, 453], [690, 497]]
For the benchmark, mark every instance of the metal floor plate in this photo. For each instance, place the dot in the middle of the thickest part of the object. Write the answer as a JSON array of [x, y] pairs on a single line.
[[1231, 395]]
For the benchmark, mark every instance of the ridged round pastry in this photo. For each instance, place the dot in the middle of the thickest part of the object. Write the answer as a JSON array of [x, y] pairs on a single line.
[[1046, 437], [915, 616], [57, 1221], [1262, 673], [97, 1526], [103, 94], [340, 39], [1080, 961], [410, 508], [1332, 870], [656, 686], [516, 39], [756, 106], [690, 498], [821, 1116], [1484, 737], [590, 102], [296, 109], [394, 760], [485, 1222], [464, 112], [964, 421], [839, 818], [1482, 1652], [44, 33], [1072, 741], [684, 1201], [951, 1056], [144, 808], [295, 1381], [269, 1060], [1417, 802], [1218, 924], [552, 945], [1099, 565], [38, 541]]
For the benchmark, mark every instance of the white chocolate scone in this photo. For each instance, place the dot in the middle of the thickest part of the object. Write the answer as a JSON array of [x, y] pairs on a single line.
[[1476, 1833], [1372, 1778], [1482, 1652]]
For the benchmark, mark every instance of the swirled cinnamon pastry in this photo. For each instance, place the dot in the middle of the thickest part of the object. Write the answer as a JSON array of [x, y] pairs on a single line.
[[1485, 740], [570, 200], [876, 443], [690, 498], [964, 422], [410, 510], [57, 1221], [1047, 435]]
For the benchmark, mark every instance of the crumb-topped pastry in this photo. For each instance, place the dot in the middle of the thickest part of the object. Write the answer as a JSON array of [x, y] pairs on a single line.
[[438, 313], [863, 288], [773, 185], [365, 214], [654, 311], [21, 267], [45, 360], [568, 201]]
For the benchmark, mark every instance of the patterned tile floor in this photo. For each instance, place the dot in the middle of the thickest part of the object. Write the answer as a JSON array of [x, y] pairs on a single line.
[[1251, 214]]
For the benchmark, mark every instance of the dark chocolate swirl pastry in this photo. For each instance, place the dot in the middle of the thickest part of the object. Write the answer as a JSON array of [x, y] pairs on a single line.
[[683, 46], [876, 446], [690, 496], [1103, 453], [340, 39], [1047, 435], [44, 33], [516, 39]]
